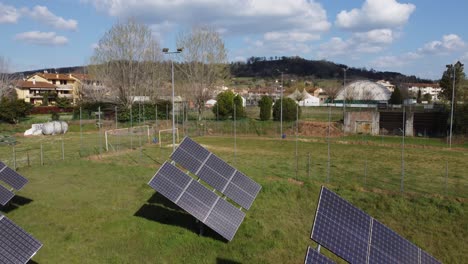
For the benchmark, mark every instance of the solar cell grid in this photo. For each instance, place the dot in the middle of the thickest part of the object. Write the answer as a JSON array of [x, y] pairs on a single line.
[[16, 246], [225, 219], [217, 173], [389, 245], [12, 178], [314, 257], [196, 199], [5, 195], [428, 259]]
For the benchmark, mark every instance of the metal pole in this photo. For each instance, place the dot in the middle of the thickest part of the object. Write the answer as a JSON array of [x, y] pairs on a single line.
[[453, 101], [402, 186], [63, 151], [81, 133], [42, 156], [328, 164], [116, 120], [446, 175], [308, 165], [235, 135], [173, 107], [344, 94], [100, 135], [297, 132], [131, 126], [281, 107], [14, 157]]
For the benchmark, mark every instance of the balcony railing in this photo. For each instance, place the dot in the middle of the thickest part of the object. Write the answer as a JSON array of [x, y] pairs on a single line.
[[70, 96]]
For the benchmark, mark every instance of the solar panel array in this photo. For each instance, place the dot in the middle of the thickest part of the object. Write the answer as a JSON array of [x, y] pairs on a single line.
[[314, 257], [16, 245], [357, 237], [5, 195], [196, 199], [11, 177], [217, 173]]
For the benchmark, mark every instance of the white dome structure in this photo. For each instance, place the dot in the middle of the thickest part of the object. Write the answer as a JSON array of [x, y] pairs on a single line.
[[364, 91]]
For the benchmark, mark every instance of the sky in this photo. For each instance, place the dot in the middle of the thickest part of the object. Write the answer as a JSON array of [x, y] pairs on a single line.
[[414, 37]]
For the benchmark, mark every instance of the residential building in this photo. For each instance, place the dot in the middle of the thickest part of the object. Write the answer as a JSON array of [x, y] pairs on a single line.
[[35, 92], [67, 87], [426, 88], [387, 84]]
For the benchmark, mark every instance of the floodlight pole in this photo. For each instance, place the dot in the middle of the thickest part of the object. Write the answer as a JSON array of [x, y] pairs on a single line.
[[281, 104], [166, 51], [344, 95], [453, 100]]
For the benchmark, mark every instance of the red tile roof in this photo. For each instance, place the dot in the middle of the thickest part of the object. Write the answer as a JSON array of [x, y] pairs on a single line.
[[27, 84], [55, 76]]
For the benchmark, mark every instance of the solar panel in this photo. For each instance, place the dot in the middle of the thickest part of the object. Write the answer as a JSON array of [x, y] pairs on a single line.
[[314, 257], [11, 177], [199, 201], [358, 238], [16, 245], [386, 245], [428, 259], [5, 195], [217, 173], [341, 227]]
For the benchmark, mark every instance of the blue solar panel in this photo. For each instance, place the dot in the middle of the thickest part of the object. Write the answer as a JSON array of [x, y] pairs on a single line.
[[196, 199], [341, 227], [5, 195], [217, 173], [11, 177], [314, 257], [386, 245], [16, 246], [428, 259], [358, 238]]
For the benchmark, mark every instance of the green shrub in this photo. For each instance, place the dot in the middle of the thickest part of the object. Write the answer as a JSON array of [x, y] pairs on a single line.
[[289, 110], [265, 105], [12, 110], [224, 107]]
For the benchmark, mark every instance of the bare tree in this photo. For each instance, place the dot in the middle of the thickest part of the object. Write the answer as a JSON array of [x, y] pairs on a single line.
[[5, 78], [203, 63], [127, 60], [332, 92]]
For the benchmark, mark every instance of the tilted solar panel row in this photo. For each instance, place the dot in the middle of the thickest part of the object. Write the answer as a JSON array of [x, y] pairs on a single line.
[[196, 199], [16, 245], [217, 173], [314, 257], [358, 238], [11, 177]]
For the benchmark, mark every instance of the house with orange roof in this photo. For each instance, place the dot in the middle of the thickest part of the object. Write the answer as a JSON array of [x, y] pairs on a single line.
[[35, 92]]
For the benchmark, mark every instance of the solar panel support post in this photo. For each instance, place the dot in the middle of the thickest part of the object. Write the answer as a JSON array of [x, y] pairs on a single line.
[[318, 248], [14, 157]]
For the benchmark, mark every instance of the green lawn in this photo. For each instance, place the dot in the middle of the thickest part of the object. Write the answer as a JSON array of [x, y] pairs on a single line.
[[99, 209]]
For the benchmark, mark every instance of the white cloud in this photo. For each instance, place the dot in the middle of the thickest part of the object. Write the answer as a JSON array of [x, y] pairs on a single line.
[[372, 41], [449, 43], [42, 38], [375, 14], [43, 15], [8, 14], [395, 61], [464, 57], [258, 16]]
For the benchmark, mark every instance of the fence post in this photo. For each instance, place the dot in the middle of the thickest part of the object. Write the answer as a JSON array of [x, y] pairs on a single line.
[[365, 172], [27, 155], [446, 176], [308, 165], [63, 151], [14, 157]]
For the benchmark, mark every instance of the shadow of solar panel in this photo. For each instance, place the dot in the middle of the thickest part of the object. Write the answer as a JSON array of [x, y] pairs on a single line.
[[11, 177], [196, 199], [341, 228], [428, 259], [5, 195], [314, 257], [16, 246], [388, 246], [217, 173]]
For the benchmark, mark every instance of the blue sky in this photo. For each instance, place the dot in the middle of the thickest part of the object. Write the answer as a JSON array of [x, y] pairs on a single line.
[[416, 37]]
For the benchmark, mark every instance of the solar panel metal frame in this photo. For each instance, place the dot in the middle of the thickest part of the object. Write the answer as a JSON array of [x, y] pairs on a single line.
[[383, 244], [202, 203], [216, 172], [314, 257], [5, 195], [11, 177], [345, 239], [16, 245]]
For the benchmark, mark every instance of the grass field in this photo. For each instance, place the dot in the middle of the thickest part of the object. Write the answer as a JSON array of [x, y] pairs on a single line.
[[99, 209]]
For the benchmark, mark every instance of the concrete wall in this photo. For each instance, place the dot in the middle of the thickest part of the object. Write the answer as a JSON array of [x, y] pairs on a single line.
[[362, 122]]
